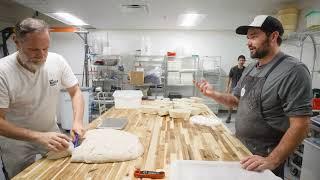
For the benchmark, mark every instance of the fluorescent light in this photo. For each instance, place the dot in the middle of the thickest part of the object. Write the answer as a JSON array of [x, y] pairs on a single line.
[[191, 19], [67, 18]]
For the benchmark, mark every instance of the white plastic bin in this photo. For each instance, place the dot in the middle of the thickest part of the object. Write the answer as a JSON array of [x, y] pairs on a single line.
[[219, 170], [127, 99], [311, 159], [66, 112]]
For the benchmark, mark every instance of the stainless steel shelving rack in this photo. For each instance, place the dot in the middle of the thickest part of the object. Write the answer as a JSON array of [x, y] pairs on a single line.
[[149, 63], [179, 73]]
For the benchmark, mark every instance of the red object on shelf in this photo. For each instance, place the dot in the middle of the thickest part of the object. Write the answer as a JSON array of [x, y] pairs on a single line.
[[149, 174], [98, 62], [171, 53], [316, 103]]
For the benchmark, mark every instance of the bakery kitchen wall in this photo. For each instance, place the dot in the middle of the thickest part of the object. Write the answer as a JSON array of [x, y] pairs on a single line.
[[226, 44]]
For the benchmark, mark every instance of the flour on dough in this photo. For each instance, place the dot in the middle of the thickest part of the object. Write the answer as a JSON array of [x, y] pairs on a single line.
[[206, 121]]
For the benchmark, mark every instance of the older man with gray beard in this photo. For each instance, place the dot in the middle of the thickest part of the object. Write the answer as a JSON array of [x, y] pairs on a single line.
[[30, 83]]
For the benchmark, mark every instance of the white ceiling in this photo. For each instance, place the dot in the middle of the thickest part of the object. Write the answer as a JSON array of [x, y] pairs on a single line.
[[163, 14], [11, 13]]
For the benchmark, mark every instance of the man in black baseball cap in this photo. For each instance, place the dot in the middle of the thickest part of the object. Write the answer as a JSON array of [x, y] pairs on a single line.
[[268, 25], [273, 97], [267, 118], [265, 23]]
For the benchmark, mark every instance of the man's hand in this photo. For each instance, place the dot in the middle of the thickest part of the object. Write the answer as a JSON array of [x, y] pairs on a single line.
[[258, 163], [77, 128], [205, 88], [222, 98], [53, 141]]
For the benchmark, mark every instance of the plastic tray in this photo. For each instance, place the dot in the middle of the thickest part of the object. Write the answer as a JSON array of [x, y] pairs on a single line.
[[113, 123], [220, 170]]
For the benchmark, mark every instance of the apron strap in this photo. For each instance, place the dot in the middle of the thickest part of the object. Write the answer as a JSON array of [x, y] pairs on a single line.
[[275, 65], [266, 76], [271, 69]]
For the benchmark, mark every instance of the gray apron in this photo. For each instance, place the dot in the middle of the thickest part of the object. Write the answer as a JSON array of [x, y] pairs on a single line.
[[251, 127]]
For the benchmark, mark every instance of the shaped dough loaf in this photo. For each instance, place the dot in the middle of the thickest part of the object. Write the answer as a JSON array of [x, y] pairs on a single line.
[[107, 145]]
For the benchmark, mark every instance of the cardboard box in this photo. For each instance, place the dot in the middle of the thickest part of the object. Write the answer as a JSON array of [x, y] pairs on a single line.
[[136, 77]]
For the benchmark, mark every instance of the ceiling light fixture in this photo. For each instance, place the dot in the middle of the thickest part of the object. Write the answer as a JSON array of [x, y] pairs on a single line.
[[67, 18], [191, 19]]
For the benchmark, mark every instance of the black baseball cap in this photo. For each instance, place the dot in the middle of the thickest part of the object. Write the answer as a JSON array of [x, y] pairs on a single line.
[[264, 22]]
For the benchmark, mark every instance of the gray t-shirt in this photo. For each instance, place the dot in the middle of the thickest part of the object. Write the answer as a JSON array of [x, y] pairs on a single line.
[[287, 91]]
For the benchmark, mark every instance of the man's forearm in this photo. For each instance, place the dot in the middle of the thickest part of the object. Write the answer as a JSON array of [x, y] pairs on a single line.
[[291, 139], [78, 106], [11, 131], [226, 99]]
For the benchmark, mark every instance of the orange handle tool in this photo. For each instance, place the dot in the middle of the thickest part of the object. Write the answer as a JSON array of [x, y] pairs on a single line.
[[149, 174]]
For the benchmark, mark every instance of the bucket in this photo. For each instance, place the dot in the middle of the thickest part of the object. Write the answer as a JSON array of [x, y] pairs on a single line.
[[289, 19]]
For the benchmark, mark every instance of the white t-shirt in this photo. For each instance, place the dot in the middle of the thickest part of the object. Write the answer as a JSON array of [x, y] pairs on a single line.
[[31, 98]]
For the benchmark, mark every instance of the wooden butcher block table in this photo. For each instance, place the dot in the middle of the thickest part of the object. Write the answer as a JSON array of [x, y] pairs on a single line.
[[165, 140]]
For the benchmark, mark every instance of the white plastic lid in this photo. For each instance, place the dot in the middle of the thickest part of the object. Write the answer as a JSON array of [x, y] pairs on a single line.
[[128, 94]]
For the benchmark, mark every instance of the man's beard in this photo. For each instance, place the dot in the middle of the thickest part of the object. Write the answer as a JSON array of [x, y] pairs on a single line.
[[30, 64], [263, 51]]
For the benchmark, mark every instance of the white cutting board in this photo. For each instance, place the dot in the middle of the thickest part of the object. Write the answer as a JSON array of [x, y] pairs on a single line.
[[219, 170]]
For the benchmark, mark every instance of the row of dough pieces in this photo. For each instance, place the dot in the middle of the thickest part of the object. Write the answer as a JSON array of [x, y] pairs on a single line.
[[178, 108]]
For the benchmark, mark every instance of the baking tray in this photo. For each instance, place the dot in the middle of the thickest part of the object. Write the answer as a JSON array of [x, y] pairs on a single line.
[[113, 123]]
